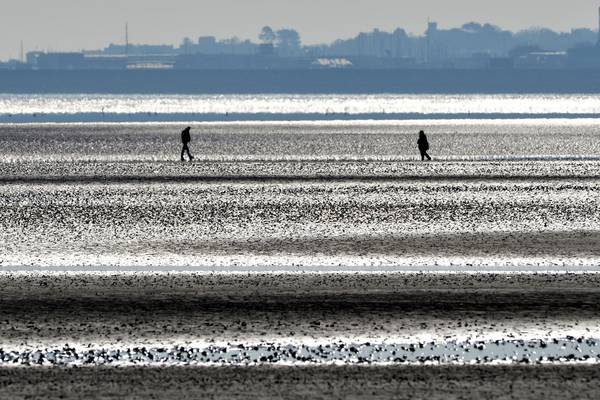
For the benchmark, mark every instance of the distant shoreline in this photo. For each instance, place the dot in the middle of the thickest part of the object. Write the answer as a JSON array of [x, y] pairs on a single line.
[[402, 81]]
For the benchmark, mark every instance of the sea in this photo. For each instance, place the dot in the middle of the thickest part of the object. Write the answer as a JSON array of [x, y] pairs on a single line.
[[42, 108]]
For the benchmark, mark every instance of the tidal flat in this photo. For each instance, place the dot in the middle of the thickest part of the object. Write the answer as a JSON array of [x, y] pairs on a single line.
[[315, 259]]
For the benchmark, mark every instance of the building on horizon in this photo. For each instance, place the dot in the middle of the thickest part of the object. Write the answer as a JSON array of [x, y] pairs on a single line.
[[470, 46]]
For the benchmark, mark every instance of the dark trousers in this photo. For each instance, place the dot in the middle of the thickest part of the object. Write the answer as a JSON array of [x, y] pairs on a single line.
[[424, 154], [186, 149]]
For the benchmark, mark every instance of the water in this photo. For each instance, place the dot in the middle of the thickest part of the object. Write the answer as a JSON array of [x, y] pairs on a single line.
[[138, 108]]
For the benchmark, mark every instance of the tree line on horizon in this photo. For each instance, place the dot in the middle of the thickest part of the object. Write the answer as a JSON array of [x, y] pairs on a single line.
[[470, 39]]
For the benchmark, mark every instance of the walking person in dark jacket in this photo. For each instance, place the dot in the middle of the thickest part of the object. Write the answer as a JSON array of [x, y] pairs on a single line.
[[423, 146], [186, 139]]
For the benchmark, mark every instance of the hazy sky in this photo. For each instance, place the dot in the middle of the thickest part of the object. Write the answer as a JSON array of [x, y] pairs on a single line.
[[76, 24]]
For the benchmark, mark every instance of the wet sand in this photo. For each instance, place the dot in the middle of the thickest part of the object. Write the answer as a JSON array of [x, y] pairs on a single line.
[[491, 140], [151, 335], [298, 260], [484, 224], [301, 195], [398, 382], [438, 318]]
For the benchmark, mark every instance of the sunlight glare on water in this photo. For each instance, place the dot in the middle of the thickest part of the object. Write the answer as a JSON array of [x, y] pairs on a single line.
[[300, 104]]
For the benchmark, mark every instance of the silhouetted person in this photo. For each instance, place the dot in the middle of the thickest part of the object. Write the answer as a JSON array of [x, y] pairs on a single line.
[[186, 139], [423, 146]]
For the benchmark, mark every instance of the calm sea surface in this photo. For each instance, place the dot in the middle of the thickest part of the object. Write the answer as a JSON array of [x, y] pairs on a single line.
[[123, 108]]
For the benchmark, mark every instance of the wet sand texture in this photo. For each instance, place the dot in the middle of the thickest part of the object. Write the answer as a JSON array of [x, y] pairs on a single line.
[[451, 382], [491, 227], [304, 318]]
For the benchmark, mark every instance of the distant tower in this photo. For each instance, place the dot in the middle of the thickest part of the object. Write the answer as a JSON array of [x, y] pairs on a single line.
[[598, 43], [431, 31]]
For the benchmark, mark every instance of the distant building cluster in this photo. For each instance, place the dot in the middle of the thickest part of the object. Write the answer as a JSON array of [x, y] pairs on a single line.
[[472, 46]]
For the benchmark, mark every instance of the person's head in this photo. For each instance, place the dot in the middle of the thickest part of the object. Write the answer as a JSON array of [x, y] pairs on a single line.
[[421, 133], [187, 129]]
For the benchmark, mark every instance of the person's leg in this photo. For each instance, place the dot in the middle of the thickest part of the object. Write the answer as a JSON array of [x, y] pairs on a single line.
[[427, 155], [182, 151], [422, 156], [188, 152]]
